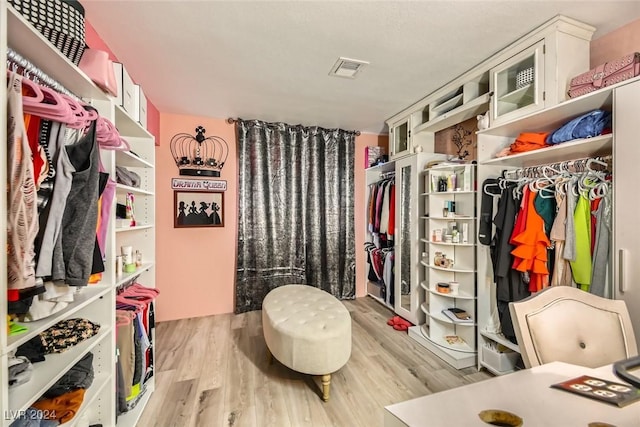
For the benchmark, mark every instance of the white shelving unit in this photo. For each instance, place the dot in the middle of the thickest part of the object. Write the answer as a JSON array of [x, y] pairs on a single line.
[[95, 302], [621, 144], [438, 332]]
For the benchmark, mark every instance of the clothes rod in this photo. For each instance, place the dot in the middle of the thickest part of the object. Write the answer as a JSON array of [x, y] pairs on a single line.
[[29, 68], [599, 163]]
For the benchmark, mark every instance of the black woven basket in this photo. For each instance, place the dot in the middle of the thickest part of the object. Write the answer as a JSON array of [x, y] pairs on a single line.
[[60, 21]]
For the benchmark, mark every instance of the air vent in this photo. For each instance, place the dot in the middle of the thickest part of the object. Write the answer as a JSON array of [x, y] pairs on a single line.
[[346, 67]]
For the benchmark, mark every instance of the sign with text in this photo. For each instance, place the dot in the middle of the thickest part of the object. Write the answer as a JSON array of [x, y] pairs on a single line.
[[199, 184]]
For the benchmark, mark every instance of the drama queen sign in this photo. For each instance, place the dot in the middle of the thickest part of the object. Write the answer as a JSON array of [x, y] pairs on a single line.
[[199, 184]]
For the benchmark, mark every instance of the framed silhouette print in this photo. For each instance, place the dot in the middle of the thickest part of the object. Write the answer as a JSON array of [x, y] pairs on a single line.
[[198, 209]]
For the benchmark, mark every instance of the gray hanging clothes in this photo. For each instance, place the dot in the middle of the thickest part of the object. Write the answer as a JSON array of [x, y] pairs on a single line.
[[601, 248]]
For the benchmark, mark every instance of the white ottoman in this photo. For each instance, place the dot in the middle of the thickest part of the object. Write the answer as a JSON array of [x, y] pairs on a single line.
[[307, 330]]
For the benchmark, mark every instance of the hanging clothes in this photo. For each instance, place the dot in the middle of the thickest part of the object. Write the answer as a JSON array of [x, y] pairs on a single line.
[[561, 275], [581, 265], [601, 254]]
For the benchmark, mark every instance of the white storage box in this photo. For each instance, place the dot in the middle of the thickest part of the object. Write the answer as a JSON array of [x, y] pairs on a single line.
[[501, 362], [126, 90], [134, 111], [142, 102]]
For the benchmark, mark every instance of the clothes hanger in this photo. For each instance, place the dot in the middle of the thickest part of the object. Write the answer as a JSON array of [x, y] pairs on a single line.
[[31, 93]]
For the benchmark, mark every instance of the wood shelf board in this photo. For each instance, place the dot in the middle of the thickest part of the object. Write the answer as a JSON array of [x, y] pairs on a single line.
[[579, 148], [125, 277], [33, 46], [46, 373], [451, 244], [137, 227], [457, 359], [91, 394], [87, 296], [127, 189], [493, 370], [457, 115], [459, 295], [552, 118], [127, 126], [444, 319], [519, 96], [500, 339], [453, 270], [127, 159]]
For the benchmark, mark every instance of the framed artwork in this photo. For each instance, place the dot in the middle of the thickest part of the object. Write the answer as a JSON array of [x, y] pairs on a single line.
[[198, 209]]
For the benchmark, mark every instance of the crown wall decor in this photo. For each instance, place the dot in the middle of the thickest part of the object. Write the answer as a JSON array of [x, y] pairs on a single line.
[[199, 155]]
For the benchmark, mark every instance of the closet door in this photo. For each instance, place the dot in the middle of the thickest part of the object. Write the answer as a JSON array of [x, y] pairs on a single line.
[[626, 230]]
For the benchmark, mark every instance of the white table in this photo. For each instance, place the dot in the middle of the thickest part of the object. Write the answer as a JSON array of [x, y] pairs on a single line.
[[526, 393]]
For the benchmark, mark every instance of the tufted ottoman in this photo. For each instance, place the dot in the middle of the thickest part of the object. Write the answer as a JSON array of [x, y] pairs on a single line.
[[307, 330]]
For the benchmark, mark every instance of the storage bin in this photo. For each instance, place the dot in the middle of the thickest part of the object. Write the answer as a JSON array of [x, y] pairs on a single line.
[[126, 97], [60, 21], [501, 362], [142, 107]]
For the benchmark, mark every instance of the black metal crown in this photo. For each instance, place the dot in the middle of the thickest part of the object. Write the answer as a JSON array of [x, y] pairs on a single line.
[[199, 156]]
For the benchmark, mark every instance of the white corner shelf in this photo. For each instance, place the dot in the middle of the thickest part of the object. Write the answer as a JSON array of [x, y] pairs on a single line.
[[449, 193], [45, 374], [444, 319], [125, 277], [127, 189], [127, 126], [24, 39], [459, 359], [130, 160], [136, 228], [87, 295], [451, 244], [500, 339], [459, 295], [452, 270], [452, 217]]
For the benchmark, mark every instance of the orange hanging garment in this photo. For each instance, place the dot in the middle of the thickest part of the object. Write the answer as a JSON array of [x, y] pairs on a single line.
[[530, 254]]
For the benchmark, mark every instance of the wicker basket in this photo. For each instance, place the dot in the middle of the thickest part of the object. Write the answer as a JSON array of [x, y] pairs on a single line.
[[524, 77], [60, 21]]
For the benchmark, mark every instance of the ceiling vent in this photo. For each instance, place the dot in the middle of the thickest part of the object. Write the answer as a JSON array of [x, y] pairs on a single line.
[[346, 67]]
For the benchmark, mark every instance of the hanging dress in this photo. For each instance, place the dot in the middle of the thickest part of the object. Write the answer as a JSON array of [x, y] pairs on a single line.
[[22, 212]]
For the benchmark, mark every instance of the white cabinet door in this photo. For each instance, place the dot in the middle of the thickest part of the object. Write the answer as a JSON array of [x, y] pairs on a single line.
[[626, 205], [518, 85], [400, 138]]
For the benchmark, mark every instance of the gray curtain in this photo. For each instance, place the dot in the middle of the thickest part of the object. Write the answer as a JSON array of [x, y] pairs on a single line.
[[295, 210]]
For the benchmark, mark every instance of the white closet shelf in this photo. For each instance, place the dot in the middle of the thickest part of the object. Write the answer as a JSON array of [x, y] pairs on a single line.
[[87, 295], [552, 118], [459, 359], [130, 160], [100, 381], [524, 95], [453, 270], [449, 193], [127, 189], [33, 46], [127, 126], [444, 319], [424, 307], [424, 285], [125, 277], [451, 244], [570, 150], [57, 364], [457, 115], [493, 370], [137, 227], [449, 218], [500, 339], [459, 295], [132, 417]]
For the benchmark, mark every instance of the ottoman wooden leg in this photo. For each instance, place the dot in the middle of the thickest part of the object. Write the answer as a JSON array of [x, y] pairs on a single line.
[[269, 357], [326, 383]]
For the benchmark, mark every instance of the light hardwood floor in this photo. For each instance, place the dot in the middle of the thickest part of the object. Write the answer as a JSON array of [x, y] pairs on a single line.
[[213, 371]]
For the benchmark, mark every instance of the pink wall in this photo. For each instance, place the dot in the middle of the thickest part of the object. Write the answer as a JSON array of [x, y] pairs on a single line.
[[196, 267], [616, 44], [94, 41]]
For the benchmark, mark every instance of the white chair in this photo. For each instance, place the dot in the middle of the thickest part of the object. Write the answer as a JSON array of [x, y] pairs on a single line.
[[566, 324]]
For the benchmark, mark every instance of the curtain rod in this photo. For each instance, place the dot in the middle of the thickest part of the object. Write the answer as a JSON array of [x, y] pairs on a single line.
[[19, 60], [231, 121]]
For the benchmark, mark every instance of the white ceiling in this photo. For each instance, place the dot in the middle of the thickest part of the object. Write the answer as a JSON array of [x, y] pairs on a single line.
[[270, 60]]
